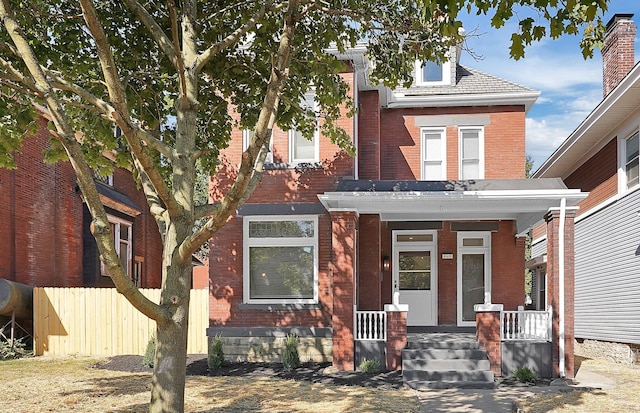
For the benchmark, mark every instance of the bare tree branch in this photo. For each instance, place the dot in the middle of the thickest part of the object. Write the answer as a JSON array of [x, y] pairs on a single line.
[[118, 97], [84, 175], [231, 39], [108, 110], [156, 31], [249, 172]]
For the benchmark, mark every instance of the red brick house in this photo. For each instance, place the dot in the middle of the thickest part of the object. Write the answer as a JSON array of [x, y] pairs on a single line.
[[428, 220], [44, 224], [601, 157]]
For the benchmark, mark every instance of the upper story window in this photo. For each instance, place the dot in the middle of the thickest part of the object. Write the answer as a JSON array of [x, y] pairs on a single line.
[[631, 161], [105, 179], [246, 139], [471, 165], [122, 237], [302, 149], [433, 154], [433, 74], [281, 259]]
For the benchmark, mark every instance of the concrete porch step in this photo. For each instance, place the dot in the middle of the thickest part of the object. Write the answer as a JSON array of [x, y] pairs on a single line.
[[431, 385], [448, 375], [446, 364], [445, 360], [443, 354]]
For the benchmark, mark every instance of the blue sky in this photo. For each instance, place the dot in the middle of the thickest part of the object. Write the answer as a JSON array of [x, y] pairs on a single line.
[[570, 86]]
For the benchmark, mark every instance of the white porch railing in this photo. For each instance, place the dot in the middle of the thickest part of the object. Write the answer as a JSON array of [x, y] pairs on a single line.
[[370, 326], [526, 325]]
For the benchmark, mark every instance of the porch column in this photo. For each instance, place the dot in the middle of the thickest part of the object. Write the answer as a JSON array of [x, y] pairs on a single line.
[[560, 276], [396, 334], [343, 242]]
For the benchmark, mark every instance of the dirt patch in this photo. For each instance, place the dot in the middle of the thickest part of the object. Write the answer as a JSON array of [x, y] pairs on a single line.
[[311, 372]]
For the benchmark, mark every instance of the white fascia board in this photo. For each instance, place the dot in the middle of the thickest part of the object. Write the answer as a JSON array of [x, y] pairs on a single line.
[[629, 84], [456, 202], [486, 99]]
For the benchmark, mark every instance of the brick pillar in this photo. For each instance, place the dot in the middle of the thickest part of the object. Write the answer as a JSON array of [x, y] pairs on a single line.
[[343, 243], [396, 334], [488, 334], [553, 286]]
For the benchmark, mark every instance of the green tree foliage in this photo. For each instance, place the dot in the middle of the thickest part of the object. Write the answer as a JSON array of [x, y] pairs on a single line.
[[165, 73]]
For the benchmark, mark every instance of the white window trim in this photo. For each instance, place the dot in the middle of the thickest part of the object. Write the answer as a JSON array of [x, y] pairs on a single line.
[[316, 150], [246, 135], [486, 250], [446, 75], [480, 130], [116, 240], [309, 96], [247, 243], [622, 163], [443, 151]]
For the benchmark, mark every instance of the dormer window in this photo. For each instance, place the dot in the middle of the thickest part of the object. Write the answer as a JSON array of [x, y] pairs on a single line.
[[433, 73]]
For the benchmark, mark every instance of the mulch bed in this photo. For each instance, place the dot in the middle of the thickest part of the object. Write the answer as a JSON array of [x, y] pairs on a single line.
[[311, 372]]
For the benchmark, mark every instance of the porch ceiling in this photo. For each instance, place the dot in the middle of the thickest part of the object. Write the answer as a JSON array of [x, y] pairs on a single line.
[[452, 200]]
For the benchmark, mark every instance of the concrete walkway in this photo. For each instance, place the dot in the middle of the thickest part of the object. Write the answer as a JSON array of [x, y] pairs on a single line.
[[503, 399]]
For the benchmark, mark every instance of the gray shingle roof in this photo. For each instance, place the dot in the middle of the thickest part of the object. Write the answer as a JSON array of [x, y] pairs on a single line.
[[468, 81]]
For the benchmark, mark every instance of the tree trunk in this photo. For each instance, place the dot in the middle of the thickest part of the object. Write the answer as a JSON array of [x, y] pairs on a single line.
[[169, 369]]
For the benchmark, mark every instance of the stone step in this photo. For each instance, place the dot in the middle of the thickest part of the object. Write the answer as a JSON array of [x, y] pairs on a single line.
[[429, 385], [443, 354], [447, 376], [448, 345], [446, 364]]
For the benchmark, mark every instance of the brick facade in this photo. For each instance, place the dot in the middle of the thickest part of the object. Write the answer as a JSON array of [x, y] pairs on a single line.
[[351, 248], [42, 226]]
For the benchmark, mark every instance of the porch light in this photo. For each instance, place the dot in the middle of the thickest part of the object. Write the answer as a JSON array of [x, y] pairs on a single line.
[[386, 263]]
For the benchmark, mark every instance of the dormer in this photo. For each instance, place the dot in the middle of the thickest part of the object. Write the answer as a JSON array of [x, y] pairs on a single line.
[[432, 73]]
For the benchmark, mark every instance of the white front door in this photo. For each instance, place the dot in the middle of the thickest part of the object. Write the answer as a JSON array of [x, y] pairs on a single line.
[[474, 273], [415, 275]]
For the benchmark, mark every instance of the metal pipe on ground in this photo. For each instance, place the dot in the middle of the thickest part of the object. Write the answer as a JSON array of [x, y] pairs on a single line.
[[16, 297]]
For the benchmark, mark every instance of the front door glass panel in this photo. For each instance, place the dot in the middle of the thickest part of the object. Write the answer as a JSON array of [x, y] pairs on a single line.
[[414, 270], [473, 287]]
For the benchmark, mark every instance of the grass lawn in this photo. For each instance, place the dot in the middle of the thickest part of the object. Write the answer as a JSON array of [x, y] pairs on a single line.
[[62, 385]]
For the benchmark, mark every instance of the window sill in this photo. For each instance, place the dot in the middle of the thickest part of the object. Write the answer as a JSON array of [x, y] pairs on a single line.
[[279, 307], [292, 165]]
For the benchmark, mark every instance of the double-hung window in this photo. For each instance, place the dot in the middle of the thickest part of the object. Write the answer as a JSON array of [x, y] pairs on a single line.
[[301, 148], [281, 259], [246, 139], [122, 237], [433, 154], [631, 161], [471, 153]]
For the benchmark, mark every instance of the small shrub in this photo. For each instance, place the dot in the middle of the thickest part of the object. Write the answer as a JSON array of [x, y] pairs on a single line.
[[291, 358], [215, 359], [525, 375], [150, 352], [370, 366], [12, 349]]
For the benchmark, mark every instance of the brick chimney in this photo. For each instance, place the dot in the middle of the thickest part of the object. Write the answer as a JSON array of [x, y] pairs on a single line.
[[618, 52]]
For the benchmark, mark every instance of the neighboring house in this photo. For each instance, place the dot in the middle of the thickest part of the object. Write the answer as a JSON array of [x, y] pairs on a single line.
[[45, 239], [601, 157], [432, 212]]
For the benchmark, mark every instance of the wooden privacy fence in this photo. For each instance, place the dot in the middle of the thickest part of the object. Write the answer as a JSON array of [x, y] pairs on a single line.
[[101, 322]]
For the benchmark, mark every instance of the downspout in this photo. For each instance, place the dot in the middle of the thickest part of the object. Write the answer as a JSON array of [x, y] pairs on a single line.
[[356, 171], [563, 206]]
